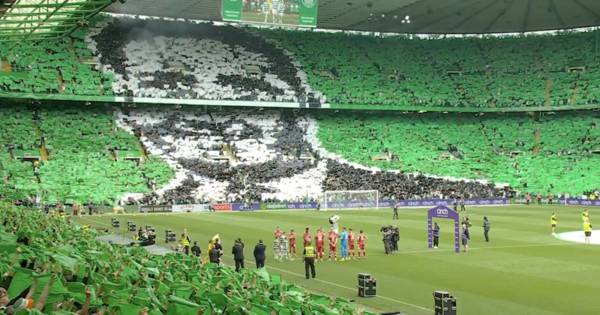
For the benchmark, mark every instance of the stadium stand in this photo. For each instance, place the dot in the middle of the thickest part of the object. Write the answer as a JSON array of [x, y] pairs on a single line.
[[232, 156], [17, 141], [66, 270], [399, 186], [556, 153], [92, 153], [174, 59], [169, 59], [247, 156], [360, 71], [73, 154], [61, 66]]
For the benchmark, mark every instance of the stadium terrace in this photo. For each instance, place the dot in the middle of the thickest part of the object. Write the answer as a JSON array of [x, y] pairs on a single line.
[[299, 157]]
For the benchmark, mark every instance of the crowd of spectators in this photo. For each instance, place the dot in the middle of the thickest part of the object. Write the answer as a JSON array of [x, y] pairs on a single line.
[[173, 59], [371, 72], [49, 265], [243, 156], [544, 152], [400, 186]]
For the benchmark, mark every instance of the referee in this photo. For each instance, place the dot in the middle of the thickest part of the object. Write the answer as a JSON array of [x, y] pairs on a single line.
[[309, 260]]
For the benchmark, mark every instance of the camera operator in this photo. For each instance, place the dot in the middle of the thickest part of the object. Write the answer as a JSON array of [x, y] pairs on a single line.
[[395, 238], [387, 235]]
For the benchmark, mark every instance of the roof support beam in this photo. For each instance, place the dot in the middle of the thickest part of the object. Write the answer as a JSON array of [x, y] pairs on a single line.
[[26, 18], [12, 30], [54, 5], [97, 9], [45, 20]]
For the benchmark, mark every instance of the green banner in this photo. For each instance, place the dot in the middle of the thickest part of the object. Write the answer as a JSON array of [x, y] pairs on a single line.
[[308, 13], [232, 10], [275, 12]]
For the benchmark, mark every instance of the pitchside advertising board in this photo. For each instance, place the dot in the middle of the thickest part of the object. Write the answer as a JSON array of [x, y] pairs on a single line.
[[580, 202], [302, 13], [226, 207], [191, 208]]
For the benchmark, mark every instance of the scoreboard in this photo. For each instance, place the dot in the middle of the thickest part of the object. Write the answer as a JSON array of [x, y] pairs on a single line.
[[301, 13]]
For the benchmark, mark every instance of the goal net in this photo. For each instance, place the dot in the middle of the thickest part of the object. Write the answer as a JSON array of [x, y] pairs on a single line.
[[350, 199]]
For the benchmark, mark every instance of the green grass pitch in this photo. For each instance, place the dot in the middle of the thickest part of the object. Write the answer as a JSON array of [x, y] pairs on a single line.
[[523, 270]]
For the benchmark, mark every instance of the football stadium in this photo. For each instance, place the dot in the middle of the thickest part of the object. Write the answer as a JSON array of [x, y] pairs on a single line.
[[299, 157]]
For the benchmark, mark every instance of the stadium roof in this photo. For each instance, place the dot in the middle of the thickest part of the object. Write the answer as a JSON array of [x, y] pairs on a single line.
[[42, 19], [425, 16]]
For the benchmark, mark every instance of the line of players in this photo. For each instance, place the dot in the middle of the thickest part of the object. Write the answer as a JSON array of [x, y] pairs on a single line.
[[284, 246], [276, 8]]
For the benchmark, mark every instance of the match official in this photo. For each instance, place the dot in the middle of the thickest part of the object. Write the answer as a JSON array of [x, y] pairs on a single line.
[[486, 229], [436, 235], [309, 261]]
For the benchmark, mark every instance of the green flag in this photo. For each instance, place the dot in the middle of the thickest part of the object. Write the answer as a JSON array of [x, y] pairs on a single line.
[[20, 282], [259, 309], [77, 292], [57, 289], [263, 273], [182, 289], [68, 263], [179, 306], [128, 309], [8, 243]]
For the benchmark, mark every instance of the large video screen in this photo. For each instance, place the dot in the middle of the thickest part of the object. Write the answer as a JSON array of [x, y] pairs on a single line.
[[275, 12]]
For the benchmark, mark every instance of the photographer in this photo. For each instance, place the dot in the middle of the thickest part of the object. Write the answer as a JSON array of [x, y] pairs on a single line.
[[196, 250], [395, 238], [387, 235], [238, 254]]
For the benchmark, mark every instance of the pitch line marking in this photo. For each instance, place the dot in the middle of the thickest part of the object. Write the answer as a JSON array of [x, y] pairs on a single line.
[[301, 275], [347, 288]]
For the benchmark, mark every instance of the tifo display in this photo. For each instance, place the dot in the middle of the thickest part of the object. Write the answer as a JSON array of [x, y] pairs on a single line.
[[103, 155], [202, 61], [261, 161]]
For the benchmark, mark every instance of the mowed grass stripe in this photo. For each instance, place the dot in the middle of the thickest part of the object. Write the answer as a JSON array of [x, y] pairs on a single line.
[[524, 270], [310, 285]]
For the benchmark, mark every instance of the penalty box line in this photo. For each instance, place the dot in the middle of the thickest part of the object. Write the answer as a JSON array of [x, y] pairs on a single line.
[[302, 276]]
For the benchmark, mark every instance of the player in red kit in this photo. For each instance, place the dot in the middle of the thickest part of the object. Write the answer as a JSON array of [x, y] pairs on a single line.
[[292, 239], [320, 240], [361, 243], [351, 243], [278, 233], [306, 237], [332, 237]]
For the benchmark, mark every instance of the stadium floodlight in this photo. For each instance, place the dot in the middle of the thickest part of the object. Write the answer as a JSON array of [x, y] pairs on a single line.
[[350, 199]]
